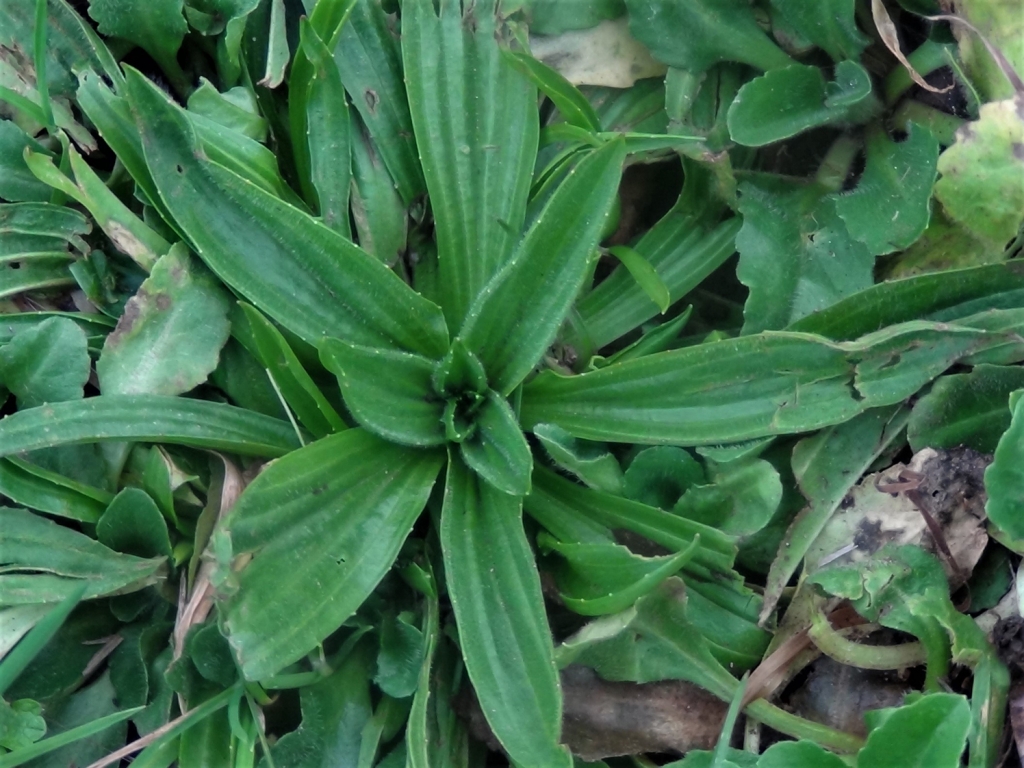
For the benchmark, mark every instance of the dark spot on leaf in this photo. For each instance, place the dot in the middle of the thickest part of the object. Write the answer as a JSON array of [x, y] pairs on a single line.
[[128, 319], [869, 536], [15, 265], [1018, 150], [163, 302], [847, 502], [372, 100], [319, 490], [179, 169]]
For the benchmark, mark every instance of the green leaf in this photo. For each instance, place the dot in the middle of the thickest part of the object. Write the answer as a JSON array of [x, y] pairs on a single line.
[[965, 409], [831, 25], [17, 183], [659, 476], [796, 255], [980, 185], [390, 393], [21, 655], [709, 394], [497, 449], [379, 214], [70, 736], [476, 130], [21, 724], [297, 387], [369, 61], [644, 274], [517, 315], [146, 418], [695, 35], [236, 109], [578, 515], [503, 630], [1004, 477], [157, 26], [929, 733], [400, 657], [133, 524], [45, 562], [597, 579], [826, 466], [308, 278], [798, 754], [552, 17], [784, 102], [742, 499], [889, 209], [48, 363], [942, 296], [573, 105], [323, 526], [592, 463], [328, 134], [26, 488], [169, 338]]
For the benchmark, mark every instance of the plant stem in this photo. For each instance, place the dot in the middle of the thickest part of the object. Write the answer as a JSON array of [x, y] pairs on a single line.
[[835, 646]]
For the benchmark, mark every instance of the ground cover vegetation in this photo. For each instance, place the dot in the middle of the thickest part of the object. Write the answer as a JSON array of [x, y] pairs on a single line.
[[449, 384]]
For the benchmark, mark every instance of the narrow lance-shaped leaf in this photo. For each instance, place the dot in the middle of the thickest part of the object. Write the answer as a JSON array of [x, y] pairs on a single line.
[[147, 418], [503, 630], [517, 315], [709, 394], [309, 540], [476, 129], [308, 278]]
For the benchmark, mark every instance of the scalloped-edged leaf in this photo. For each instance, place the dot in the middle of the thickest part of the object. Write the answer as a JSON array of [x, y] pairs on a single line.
[[147, 418], [696, 34], [476, 129], [660, 475], [503, 630], [302, 274], [829, 24], [796, 254], [592, 463], [889, 209], [389, 393], [169, 338], [323, 526], [1004, 478], [517, 315], [784, 102], [44, 562], [157, 26]]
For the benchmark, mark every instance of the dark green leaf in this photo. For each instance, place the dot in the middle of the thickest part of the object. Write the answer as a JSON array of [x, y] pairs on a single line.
[[965, 409], [503, 630], [1005, 475], [644, 274], [132, 524], [48, 363], [45, 562], [889, 209], [476, 130], [709, 394], [798, 754], [785, 102], [158, 27], [322, 526], [742, 499], [518, 313], [169, 338], [300, 392], [313, 281], [377, 209], [497, 449], [147, 418], [400, 658], [21, 724], [695, 35], [552, 17], [235, 109], [17, 183], [28, 489], [18, 658], [658, 476], [370, 64], [592, 463], [831, 25], [328, 133], [388, 392]]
